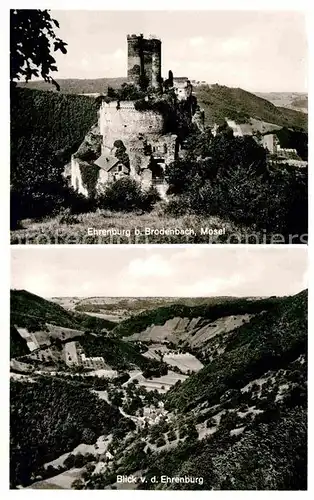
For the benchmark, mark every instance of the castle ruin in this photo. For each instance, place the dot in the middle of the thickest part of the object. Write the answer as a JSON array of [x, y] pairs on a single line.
[[133, 141], [144, 61]]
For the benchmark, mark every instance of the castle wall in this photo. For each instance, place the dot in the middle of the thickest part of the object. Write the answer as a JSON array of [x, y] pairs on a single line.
[[126, 123]]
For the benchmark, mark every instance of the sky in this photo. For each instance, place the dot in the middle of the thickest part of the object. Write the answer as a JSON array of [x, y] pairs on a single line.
[[131, 271], [255, 50]]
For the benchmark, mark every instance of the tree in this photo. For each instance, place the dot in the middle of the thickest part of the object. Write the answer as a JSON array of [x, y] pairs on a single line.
[[77, 484], [32, 37], [88, 436]]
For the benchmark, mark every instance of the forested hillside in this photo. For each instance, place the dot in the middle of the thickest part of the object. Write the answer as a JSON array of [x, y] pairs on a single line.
[[31, 311], [225, 307], [269, 341], [239, 423], [50, 417], [46, 128], [62, 120], [77, 85], [220, 102]]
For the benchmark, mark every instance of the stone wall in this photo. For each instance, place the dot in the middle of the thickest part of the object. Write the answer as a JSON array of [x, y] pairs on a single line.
[[126, 122], [142, 135]]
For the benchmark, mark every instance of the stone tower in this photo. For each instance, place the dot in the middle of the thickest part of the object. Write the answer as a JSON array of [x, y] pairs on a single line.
[[144, 61]]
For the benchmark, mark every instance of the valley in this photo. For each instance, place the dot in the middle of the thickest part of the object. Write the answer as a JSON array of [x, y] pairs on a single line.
[[175, 381]]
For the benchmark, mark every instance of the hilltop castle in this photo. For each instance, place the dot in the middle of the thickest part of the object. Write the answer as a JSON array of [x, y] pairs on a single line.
[[136, 138]]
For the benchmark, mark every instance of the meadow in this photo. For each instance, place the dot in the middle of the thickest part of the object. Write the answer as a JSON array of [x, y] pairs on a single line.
[[126, 228]]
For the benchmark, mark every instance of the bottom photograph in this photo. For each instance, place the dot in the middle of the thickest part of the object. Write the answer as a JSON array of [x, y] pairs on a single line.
[[170, 368]]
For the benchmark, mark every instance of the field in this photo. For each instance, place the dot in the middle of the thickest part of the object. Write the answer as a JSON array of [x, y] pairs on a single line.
[[61, 482], [161, 384]]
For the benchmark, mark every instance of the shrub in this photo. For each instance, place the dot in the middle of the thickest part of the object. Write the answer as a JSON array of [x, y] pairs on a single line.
[[125, 195], [177, 206], [160, 442], [65, 217], [122, 195]]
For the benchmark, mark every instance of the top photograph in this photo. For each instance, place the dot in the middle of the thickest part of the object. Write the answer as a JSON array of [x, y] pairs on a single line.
[[158, 127]]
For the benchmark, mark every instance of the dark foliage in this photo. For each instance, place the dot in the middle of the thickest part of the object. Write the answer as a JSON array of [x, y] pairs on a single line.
[[45, 129], [18, 346], [89, 174], [118, 354], [32, 34], [126, 195], [48, 419], [230, 177], [270, 456], [294, 139]]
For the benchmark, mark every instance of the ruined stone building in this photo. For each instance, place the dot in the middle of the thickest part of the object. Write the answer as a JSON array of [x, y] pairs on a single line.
[[144, 61], [128, 140], [182, 87]]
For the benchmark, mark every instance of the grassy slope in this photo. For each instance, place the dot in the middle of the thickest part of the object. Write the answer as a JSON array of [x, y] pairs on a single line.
[[28, 308], [220, 102], [266, 342], [50, 231], [223, 307]]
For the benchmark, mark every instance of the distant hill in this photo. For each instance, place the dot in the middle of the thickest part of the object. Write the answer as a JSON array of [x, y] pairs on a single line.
[[219, 102], [267, 342], [123, 307], [76, 85], [294, 100], [210, 310], [39, 315], [31, 311]]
